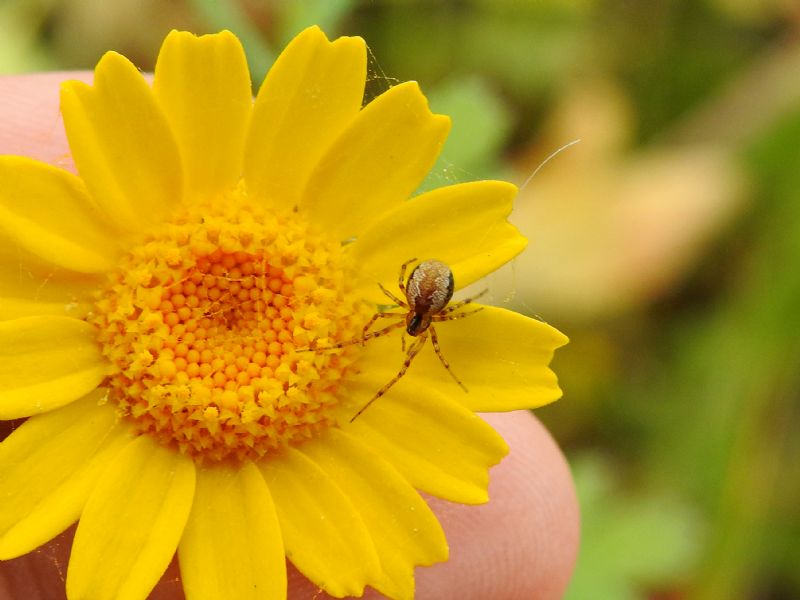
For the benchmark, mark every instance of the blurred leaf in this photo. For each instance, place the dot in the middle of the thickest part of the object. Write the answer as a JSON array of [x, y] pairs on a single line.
[[757, 13], [528, 54], [296, 15], [629, 543], [525, 47], [674, 55], [19, 51], [481, 124], [734, 383]]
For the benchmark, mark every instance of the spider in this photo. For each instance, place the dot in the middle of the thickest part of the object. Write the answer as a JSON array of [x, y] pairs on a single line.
[[428, 291]]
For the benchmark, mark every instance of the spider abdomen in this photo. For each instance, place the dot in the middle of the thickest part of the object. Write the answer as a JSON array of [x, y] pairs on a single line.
[[428, 291]]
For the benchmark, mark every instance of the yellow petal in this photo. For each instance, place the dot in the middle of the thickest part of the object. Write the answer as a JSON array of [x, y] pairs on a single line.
[[501, 357], [377, 162], [46, 362], [310, 94], [324, 536], [438, 445], [122, 145], [203, 85], [47, 468], [131, 524], [232, 545], [48, 212], [461, 225], [404, 529], [30, 287]]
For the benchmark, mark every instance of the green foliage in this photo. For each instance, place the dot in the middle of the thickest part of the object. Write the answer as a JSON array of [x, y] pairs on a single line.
[[296, 15], [737, 371], [631, 542], [19, 51], [481, 124]]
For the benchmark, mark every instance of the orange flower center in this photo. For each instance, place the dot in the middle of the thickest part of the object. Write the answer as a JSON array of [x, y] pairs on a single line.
[[205, 323]]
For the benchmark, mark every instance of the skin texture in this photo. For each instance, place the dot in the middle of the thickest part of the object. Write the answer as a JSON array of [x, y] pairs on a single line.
[[520, 546]]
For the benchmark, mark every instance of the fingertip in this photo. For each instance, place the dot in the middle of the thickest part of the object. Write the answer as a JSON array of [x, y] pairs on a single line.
[[522, 545], [524, 542], [31, 123]]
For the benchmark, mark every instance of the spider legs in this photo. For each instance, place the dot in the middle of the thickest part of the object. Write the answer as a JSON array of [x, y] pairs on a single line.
[[454, 306], [452, 317], [401, 283], [365, 336], [442, 359], [365, 333], [393, 298], [412, 352], [401, 280]]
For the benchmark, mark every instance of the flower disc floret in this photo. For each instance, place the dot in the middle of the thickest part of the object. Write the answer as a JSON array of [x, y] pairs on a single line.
[[202, 323]]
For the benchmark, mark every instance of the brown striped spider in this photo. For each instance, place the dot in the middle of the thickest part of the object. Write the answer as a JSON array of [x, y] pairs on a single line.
[[428, 291]]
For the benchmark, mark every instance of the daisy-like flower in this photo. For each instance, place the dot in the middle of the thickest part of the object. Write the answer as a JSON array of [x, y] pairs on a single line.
[[158, 309]]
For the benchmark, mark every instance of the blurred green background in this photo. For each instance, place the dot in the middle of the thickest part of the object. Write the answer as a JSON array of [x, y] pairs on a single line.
[[665, 244]]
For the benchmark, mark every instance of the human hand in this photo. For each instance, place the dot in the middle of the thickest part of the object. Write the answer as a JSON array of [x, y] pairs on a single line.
[[522, 544]]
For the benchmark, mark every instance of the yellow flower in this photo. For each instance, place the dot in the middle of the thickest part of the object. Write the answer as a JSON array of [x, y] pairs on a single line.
[[168, 317]]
